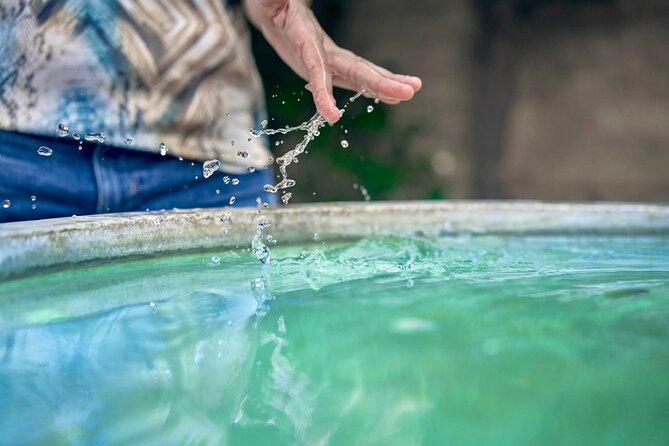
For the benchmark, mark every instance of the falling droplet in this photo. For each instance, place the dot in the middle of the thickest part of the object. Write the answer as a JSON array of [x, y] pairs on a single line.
[[154, 307], [344, 143], [277, 144], [34, 206], [209, 167], [226, 179], [269, 188], [286, 197], [243, 154], [251, 169], [163, 149], [44, 151], [95, 136], [33, 198], [235, 181], [376, 101], [128, 141], [316, 236], [264, 123], [76, 136], [232, 199], [6, 204], [218, 191], [216, 260], [62, 130], [370, 109]]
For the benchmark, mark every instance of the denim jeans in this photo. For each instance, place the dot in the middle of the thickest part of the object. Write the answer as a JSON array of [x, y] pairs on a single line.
[[101, 179]]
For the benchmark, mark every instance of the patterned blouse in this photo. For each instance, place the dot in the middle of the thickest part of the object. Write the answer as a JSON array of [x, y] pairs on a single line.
[[153, 71]]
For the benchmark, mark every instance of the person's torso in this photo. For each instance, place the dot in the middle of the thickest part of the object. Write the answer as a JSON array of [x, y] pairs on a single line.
[[157, 71]]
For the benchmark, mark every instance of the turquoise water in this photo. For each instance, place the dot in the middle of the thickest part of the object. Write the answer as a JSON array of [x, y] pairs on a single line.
[[384, 341]]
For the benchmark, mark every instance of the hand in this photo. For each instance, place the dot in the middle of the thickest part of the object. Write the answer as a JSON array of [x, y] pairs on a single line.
[[293, 31]]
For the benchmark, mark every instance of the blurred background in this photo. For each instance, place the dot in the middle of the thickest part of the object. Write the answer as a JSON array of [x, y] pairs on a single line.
[[533, 99]]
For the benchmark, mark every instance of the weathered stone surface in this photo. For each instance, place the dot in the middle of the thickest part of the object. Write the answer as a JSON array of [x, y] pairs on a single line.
[[27, 247]]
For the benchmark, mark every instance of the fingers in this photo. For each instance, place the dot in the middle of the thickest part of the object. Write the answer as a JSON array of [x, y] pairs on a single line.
[[320, 80], [414, 81], [347, 85], [355, 73]]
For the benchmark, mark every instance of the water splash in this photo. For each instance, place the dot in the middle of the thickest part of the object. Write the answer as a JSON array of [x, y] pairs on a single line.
[[261, 250], [62, 130], [209, 167], [44, 151], [95, 136], [312, 128]]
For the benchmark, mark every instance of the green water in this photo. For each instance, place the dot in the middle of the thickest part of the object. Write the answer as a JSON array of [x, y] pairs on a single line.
[[385, 341]]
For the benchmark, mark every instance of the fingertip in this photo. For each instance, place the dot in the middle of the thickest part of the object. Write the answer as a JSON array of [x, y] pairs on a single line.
[[416, 83]]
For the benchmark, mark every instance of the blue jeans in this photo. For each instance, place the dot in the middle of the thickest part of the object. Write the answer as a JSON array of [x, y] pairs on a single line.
[[100, 179]]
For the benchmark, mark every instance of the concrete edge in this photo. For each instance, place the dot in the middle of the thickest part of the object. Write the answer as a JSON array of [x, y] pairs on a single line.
[[26, 247]]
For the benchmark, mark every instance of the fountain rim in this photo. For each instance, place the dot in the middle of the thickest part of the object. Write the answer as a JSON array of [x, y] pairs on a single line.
[[33, 246]]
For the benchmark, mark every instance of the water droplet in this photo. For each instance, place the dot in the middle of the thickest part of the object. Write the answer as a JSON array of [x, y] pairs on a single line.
[[370, 109], [286, 197], [33, 198], [303, 255], [344, 143], [269, 188], [34, 206], [281, 325], [95, 136], [216, 260], [235, 181], [6, 204], [62, 130], [163, 149], [226, 179], [209, 167], [316, 236], [181, 158], [251, 169], [264, 123], [242, 154], [277, 144], [76, 136], [128, 141], [233, 199], [225, 218], [154, 307], [376, 101], [44, 151], [218, 191], [270, 239]]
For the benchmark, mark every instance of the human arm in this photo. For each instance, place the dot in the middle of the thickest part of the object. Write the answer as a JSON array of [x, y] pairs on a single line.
[[293, 31]]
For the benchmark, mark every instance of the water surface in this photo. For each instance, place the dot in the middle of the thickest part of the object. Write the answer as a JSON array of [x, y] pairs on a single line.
[[385, 341]]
